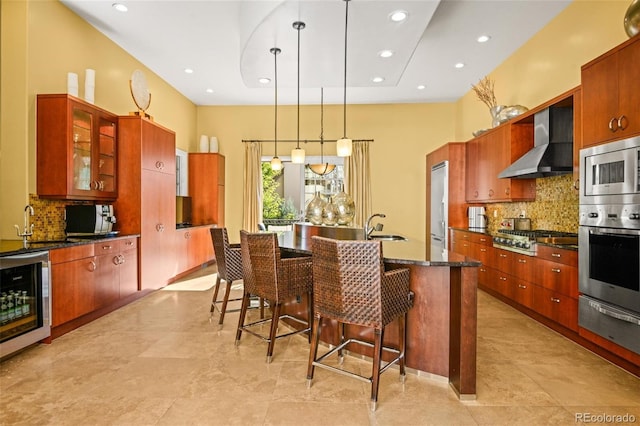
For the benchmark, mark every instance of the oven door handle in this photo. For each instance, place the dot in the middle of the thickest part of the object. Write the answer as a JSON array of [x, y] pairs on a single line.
[[612, 233], [622, 317]]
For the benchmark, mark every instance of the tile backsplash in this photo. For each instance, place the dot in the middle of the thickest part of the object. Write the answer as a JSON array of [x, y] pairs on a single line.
[[48, 218], [555, 208]]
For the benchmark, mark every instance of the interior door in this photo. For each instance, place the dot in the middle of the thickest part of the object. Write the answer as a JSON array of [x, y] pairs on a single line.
[[439, 205]]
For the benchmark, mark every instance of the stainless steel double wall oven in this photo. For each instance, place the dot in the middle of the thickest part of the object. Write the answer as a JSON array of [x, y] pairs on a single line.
[[609, 242]]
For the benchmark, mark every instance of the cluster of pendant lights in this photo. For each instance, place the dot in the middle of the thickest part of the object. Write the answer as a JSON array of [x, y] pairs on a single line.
[[343, 145]]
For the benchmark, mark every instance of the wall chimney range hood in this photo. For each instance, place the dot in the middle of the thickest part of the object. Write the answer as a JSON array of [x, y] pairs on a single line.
[[552, 153]]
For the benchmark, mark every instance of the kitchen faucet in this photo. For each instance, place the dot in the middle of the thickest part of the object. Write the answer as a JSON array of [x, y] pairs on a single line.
[[367, 227], [28, 228]]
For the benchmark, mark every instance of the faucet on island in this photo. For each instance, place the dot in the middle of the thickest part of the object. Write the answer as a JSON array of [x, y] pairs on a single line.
[[367, 227], [28, 228]]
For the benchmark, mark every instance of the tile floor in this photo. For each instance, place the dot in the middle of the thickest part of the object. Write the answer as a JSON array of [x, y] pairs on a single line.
[[159, 361]]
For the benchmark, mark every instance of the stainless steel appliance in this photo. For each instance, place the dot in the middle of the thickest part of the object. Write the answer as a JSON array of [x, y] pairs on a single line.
[[525, 241], [477, 219], [439, 207], [88, 220], [609, 239], [24, 301]]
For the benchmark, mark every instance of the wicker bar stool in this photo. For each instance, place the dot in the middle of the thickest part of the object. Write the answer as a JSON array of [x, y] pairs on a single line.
[[351, 287], [229, 263], [274, 279]]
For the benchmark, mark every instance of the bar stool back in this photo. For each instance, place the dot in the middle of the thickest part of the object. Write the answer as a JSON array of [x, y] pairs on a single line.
[[229, 264]]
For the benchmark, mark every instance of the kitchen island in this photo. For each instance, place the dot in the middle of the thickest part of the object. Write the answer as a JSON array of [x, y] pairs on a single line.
[[442, 325]]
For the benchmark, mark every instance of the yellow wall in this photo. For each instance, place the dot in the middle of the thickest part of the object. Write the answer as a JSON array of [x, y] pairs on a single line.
[[41, 42], [546, 66]]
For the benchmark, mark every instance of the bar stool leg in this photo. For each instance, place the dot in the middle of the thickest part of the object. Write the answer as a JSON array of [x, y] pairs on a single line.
[[225, 301], [402, 343], [340, 342], [243, 313], [214, 299], [313, 351], [377, 357], [274, 330]]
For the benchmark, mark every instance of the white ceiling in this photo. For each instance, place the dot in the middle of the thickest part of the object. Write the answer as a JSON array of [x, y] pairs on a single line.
[[227, 45]]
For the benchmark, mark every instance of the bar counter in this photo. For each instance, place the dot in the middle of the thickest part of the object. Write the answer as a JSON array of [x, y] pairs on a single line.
[[441, 326]]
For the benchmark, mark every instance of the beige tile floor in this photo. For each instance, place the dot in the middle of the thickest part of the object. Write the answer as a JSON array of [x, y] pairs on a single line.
[[159, 361]]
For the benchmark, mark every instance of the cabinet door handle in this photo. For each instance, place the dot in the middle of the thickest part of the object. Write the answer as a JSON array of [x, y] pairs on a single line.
[[93, 266], [555, 300], [482, 249], [116, 260], [483, 270], [556, 254], [129, 243], [611, 125], [491, 193], [106, 247], [507, 190], [475, 194], [159, 227], [502, 255], [121, 258], [159, 165], [576, 184], [622, 122], [522, 260], [483, 239], [556, 270], [187, 235], [522, 286], [503, 279]]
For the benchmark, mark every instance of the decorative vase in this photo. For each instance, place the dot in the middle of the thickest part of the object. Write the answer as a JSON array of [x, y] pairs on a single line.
[[204, 143], [330, 214], [314, 209], [345, 205], [213, 144], [509, 112], [632, 19], [495, 121]]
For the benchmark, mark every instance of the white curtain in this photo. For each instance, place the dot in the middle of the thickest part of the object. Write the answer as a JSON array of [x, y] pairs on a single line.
[[252, 188], [357, 178]]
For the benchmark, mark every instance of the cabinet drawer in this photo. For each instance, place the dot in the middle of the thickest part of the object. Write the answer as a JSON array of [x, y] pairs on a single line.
[[522, 266], [558, 307], [521, 291], [68, 254], [557, 277], [568, 257]]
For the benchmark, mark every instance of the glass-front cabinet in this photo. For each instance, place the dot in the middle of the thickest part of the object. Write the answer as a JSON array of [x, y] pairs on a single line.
[[76, 149]]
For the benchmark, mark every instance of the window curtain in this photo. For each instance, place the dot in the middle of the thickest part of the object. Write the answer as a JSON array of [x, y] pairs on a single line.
[[357, 177], [252, 189]]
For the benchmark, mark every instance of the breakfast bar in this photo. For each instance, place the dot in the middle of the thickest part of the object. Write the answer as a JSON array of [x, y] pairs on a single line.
[[441, 326]]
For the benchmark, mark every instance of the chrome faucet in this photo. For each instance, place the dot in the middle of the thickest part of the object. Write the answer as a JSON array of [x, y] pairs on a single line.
[[28, 228], [367, 227]]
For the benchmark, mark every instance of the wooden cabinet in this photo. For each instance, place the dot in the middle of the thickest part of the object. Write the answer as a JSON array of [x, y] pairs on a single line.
[[206, 188], [491, 153], [76, 149], [556, 306], [610, 86], [193, 248], [88, 277], [146, 203]]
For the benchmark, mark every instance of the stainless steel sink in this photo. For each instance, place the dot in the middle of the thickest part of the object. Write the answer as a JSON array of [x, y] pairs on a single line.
[[387, 237]]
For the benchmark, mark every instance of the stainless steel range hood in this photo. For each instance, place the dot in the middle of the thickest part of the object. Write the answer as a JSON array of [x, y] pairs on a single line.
[[552, 153]]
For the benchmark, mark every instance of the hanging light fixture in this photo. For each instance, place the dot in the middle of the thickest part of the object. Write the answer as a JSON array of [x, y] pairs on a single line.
[[297, 154], [322, 168], [344, 145], [276, 163]]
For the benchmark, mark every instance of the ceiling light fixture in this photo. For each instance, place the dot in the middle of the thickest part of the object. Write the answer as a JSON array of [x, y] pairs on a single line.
[[377, 79], [344, 145], [264, 80], [421, 87], [483, 38], [276, 163], [399, 15], [188, 70], [322, 168], [385, 53], [120, 7], [297, 154], [209, 90], [459, 65]]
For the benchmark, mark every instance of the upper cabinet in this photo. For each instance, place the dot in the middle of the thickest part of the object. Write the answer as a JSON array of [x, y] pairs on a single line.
[[76, 149], [610, 87], [489, 154], [206, 188]]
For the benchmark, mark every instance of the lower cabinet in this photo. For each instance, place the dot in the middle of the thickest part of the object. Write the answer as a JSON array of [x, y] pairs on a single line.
[[88, 277], [193, 248]]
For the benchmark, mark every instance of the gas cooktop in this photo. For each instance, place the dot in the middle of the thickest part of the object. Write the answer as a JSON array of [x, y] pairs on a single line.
[[525, 241]]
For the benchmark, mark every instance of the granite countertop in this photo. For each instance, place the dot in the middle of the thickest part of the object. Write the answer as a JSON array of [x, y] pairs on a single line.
[[13, 247], [403, 252]]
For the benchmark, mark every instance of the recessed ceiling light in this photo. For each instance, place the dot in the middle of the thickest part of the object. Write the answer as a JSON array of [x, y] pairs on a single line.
[[377, 79], [399, 15], [188, 70], [209, 90], [483, 38], [120, 7], [264, 80], [459, 65], [385, 53], [421, 87]]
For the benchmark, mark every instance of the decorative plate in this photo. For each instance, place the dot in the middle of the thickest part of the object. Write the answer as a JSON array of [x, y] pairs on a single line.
[[140, 91]]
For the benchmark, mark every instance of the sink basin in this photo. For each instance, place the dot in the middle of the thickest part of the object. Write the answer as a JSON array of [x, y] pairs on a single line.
[[387, 237]]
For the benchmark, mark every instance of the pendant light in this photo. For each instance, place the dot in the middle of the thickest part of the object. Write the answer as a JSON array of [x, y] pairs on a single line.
[[322, 168], [344, 145], [297, 154], [276, 163]]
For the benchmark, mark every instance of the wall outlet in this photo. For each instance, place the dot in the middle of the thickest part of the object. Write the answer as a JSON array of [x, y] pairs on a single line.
[[495, 213]]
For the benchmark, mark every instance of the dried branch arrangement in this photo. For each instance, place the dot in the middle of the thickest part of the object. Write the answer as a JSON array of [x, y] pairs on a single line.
[[484, 92]]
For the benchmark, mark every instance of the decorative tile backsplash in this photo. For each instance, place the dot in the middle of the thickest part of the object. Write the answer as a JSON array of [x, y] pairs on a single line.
[[48, 218], [555, 207]]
